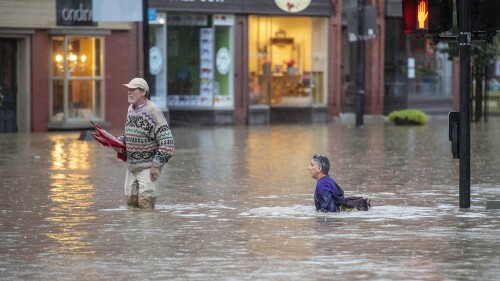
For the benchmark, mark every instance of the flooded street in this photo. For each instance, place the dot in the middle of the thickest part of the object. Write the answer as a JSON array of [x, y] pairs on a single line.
[[236, 203]]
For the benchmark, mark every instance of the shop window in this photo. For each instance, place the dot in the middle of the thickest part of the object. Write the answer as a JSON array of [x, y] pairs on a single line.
[[200, 60], [77, 79], [288, 60], [432, 71]]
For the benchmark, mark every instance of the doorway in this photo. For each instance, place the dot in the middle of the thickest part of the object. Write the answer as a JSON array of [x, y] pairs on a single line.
[[8, 85]]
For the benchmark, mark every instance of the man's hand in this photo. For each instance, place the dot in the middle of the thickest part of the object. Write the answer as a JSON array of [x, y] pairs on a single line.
[[154, 173], [117, 149], [422, 14]]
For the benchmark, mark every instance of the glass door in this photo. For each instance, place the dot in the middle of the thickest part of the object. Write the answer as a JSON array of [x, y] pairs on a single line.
[[8, 85]]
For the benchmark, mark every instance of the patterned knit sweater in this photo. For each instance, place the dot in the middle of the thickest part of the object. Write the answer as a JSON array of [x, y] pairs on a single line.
[[147, 137]]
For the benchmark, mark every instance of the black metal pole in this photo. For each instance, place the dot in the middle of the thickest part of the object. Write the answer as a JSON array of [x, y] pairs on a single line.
[[145, 40], [486, 92], [464, 41], [360, 101]]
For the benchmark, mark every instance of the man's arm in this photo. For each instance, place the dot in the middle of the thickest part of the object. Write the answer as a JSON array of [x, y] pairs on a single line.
[[165, 142]]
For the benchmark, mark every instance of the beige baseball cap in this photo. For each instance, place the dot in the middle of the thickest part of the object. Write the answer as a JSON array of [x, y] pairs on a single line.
[[137, 83]]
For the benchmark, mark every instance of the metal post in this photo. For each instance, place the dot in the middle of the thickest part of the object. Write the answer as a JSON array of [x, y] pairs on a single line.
[[360, 101], [486, 92], [145, 40], [464, 40]]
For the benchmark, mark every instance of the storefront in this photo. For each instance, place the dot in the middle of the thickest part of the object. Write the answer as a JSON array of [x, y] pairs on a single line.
[[248, 62], [211, 62], [63, 68], [77, 67]]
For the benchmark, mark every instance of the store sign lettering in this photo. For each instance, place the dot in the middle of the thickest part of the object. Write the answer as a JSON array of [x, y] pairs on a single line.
[[80, 14], [209, 1], [71, 13]]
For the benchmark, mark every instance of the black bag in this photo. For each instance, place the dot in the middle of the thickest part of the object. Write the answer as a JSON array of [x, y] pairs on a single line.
[[351, 202]]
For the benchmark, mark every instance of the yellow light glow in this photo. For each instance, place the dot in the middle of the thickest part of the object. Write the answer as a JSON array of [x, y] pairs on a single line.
[[83, 58], [59, 58], [423, 12], [73, 57], [72, 195]]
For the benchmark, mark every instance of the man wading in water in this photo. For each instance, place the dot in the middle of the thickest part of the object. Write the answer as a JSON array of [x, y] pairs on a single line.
[[328, 196], [149, 145]]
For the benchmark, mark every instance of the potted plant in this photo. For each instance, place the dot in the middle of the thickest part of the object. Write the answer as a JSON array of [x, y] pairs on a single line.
[[408, 117]]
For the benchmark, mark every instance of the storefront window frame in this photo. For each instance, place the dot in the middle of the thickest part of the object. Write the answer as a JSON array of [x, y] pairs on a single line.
[[266, 86], [66, 77], [223, 101]]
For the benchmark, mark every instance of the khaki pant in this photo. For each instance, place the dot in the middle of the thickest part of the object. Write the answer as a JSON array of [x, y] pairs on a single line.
[[140, 191]]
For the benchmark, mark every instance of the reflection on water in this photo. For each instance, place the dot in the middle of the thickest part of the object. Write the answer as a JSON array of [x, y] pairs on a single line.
[[69, 155], [71, 196], [236, 204], [70, 212]]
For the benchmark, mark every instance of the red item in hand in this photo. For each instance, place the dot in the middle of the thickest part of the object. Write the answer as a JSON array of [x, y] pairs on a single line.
[[107, 139]]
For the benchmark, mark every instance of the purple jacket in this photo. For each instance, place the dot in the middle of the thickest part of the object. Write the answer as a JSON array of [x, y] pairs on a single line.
[[327, 195]]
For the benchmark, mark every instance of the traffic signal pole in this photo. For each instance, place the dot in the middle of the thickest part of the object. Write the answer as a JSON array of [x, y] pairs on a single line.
[[435, 17], [464, 42]]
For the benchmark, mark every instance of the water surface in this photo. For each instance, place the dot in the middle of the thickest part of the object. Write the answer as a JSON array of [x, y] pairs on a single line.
[[235, 203]]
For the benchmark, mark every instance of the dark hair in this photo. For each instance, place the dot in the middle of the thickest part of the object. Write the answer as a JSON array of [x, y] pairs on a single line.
[[322, 162]]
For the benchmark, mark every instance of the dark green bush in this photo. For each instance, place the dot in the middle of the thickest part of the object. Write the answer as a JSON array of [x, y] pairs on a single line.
[[408, 117]]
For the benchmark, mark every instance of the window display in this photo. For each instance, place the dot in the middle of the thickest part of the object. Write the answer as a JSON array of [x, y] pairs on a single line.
[[287, 60], [432, 70], [199, 62], [76, 79]]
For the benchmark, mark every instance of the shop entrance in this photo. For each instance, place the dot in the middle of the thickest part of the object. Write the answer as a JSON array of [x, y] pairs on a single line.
[[8, 85]]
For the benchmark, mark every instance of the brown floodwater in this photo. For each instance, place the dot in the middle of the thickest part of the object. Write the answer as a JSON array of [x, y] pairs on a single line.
[[235, 203]]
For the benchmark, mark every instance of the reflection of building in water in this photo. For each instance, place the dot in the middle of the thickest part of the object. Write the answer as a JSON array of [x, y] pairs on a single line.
[[208, 168], [265, 166], [72, 155], [71, 195]]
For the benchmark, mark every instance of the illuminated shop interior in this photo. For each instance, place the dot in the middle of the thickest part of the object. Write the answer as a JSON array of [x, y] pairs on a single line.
[[287, 60], [76, 79]]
